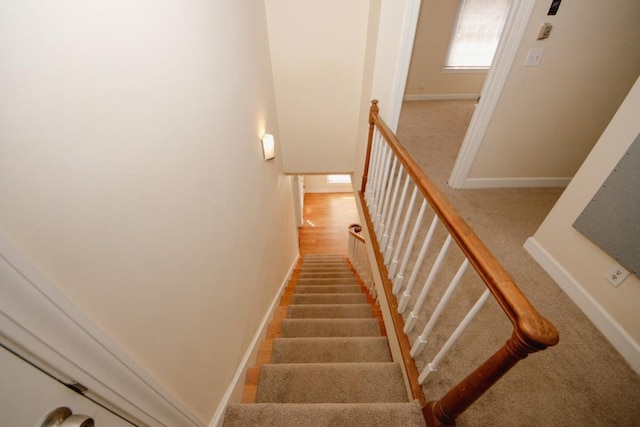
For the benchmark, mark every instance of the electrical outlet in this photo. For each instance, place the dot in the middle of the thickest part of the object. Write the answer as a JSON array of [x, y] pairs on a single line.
[[616, 275]]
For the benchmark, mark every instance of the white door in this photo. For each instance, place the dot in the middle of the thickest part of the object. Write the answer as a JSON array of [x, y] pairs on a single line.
[[27, 395]]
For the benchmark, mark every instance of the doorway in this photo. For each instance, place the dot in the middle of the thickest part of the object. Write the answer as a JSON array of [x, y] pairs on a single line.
[[476, 90]]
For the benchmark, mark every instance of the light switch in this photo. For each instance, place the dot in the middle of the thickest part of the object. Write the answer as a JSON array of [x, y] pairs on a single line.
[[533, 58]]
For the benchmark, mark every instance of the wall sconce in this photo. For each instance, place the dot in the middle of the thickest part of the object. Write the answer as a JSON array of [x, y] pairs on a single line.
[[268, 147]]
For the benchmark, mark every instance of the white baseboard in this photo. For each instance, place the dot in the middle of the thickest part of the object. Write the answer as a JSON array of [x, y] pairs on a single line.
[[40, 324], [237, 383], [619, 338], [441, 97], [516, 182]]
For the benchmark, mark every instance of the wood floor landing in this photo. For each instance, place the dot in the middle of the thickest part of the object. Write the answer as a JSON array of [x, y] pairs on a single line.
[[327, 217]]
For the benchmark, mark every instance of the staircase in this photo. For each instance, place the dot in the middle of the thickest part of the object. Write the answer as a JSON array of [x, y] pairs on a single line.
[[328, 363]]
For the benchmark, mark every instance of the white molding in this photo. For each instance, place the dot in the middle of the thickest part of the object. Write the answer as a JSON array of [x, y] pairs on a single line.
[[237, 383], [516, 182], [40, 324], [515, 26], [441, 96], [409, 24], [619, 338]]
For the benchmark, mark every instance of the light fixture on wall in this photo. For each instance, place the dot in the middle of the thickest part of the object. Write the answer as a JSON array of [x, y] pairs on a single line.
[[268, 147]]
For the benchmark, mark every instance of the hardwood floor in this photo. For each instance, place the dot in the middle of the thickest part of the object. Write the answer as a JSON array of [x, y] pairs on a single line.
[[327, 217]]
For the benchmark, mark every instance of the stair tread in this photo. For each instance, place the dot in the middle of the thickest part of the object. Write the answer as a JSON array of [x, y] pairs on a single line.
[[325, 275], [306, 311], [330, 328], [327, 281], [328, 363], [355, 298], [324, 415], [328, 289], [331, 383], [330, 350]]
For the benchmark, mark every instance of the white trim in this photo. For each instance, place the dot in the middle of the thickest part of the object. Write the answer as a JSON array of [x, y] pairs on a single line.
[[409, 24], [516, 182], [40, 324], [441, 96], [619, 338], [237, 383], [510, 41]]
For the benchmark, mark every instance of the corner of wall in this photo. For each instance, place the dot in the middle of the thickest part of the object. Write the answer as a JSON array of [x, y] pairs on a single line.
[[619, 338]]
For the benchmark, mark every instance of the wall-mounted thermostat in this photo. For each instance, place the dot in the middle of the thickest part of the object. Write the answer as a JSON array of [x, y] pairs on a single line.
[[545, 31]]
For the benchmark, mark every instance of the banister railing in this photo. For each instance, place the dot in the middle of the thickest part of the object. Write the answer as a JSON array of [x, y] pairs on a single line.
[[359, 258], [389, 174]]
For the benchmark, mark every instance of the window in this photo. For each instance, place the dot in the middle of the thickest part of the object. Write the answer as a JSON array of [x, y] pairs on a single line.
[[476, 33], [338, 179]]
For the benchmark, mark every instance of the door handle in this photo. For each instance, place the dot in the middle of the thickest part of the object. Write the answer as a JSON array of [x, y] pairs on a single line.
[[63, 417]]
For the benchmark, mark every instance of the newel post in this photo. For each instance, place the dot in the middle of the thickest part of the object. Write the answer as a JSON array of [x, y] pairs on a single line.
[[373, 114], [444, 411]]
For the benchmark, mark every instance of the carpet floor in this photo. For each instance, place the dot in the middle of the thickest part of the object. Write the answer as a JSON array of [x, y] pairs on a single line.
[[582, 380]]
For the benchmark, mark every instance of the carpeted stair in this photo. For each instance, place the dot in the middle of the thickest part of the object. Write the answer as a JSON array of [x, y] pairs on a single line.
[[327, 361]]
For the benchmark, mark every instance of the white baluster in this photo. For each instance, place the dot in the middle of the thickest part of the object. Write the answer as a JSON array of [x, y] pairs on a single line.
[[413, 316], [397, 282], [385, 199], [381, 191], [433, 366], [418, 263], [405, 225], [420, 343], [394, 229], [392, 204], [352, 246], [375, 168]]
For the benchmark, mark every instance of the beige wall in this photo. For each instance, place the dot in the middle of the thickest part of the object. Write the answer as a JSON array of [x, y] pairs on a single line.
[[318, 54], [584, 263], [549, 117], [433, 35], [389, 21], [131, 175]]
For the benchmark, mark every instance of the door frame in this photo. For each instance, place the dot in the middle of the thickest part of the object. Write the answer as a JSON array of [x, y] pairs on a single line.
[[512, 36], [42, 326]]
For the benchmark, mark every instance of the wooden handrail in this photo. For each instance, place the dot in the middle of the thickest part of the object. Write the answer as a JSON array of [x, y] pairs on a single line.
[[354, 230], [532, 332]]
